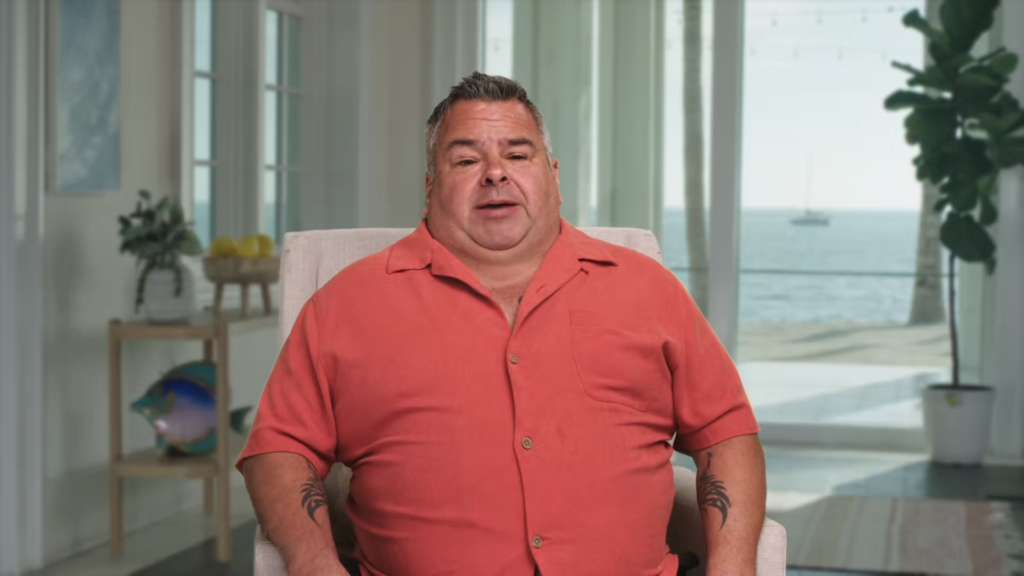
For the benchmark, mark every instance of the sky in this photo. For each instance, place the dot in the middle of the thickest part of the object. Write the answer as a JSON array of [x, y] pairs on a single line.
[[815, 133]]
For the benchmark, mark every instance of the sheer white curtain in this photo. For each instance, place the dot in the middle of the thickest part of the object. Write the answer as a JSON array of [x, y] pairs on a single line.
[[593, 67]]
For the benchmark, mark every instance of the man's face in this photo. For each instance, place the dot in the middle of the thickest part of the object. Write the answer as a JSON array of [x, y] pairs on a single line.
[[493, 188]]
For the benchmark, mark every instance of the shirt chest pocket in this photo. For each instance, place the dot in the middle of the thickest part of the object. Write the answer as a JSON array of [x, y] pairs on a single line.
[[617, 365]]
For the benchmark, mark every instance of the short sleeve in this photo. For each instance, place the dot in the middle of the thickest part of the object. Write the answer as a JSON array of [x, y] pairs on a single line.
[[709, 401], [296, 412]]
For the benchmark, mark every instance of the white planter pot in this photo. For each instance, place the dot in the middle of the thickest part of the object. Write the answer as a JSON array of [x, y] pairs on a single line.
[[957, 422], [160, 304]]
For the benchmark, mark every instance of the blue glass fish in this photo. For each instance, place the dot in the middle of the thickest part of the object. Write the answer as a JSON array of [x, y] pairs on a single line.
[[181, 408]]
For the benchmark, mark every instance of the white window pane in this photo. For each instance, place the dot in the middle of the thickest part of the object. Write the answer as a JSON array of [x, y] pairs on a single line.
[[272, 47], [292, 55], [271, 117], [498, 34], [293, 128], [203, 47], [202, 203], [268, 208], [202, 119]]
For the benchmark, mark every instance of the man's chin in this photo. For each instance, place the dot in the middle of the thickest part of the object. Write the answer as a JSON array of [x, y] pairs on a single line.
[[499, 240]]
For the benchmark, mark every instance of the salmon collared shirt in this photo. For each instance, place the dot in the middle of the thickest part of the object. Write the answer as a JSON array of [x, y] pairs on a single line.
[[483, 449]]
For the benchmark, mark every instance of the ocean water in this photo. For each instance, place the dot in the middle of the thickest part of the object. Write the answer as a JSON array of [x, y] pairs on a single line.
[[859, 269]]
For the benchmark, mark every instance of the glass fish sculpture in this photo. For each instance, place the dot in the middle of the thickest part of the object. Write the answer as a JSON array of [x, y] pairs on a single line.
[[181, 408]]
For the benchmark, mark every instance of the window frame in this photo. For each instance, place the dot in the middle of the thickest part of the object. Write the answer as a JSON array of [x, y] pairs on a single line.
[[284, 168]]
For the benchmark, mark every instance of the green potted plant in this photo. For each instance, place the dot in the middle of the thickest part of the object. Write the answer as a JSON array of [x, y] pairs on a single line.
[[158, 236], [966, 125]]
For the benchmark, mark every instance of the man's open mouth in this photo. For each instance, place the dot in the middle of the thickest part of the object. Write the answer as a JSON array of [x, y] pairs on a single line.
[[496, 205]]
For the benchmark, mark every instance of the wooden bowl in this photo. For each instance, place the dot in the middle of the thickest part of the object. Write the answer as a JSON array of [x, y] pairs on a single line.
[[238, 270]]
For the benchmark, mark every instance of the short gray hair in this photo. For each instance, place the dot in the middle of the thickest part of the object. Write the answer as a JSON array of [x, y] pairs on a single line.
[[483, 87]]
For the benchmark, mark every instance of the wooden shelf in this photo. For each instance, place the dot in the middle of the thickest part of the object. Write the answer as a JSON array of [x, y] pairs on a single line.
[[151, 464], [214, 330], [202, 326]]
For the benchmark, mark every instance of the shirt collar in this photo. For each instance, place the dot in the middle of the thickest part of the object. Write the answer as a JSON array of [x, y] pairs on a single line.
[[419, 249]]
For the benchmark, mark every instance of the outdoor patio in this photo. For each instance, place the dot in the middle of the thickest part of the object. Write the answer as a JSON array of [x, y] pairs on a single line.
[[848, 375]]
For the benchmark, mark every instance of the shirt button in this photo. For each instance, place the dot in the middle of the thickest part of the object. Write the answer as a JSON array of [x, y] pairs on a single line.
[[537, 542], [527, 443], [513, 359]]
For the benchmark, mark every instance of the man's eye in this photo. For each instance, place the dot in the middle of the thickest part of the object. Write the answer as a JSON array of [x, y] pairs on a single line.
[[518, 157], [466, 162]]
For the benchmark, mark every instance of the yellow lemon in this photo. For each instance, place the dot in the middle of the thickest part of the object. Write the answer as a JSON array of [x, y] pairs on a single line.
[[223, 246], [249, 247], [266, 245]]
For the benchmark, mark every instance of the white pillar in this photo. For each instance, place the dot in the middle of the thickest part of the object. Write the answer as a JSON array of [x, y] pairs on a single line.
[[21, 431], [1006, 372], [726, 163]]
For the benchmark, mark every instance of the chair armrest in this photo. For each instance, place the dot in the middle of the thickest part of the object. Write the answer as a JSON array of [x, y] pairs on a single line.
[[268, 561], [686, 533]]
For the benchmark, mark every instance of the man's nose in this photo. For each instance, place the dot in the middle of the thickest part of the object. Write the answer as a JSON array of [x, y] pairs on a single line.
[[495, 174]]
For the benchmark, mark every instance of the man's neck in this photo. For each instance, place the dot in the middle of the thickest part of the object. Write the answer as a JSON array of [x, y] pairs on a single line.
[[503, 269], [498, 269]]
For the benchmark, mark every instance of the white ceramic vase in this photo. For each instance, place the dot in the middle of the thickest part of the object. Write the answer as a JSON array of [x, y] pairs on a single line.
[[159, 302], [958, 422]]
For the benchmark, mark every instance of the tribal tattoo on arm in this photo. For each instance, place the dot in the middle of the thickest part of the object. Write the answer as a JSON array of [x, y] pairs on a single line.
[[711, 493], [313, 496]]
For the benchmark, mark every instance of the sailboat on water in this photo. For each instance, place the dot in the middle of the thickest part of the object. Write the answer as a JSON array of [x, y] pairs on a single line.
[[810, 217]]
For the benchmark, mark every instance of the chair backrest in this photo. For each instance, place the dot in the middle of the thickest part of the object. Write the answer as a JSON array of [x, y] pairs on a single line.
[[310, 259]]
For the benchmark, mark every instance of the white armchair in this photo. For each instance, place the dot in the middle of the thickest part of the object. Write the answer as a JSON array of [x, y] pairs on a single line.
[[310, 259]]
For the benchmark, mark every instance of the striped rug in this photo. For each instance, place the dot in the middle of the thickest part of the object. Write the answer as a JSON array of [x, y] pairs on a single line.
[[900, 535]]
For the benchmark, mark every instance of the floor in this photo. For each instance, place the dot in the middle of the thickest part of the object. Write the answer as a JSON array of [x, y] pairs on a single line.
[[791, 472]]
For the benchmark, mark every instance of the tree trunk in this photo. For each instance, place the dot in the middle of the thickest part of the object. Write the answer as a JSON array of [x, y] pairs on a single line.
[[926, 306], [693, 153]]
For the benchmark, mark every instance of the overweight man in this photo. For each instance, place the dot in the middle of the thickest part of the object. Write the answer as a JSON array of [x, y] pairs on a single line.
[[507, 391]]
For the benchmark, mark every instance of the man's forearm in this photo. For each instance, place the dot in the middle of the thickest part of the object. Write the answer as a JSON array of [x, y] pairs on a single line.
[[731, 496], [291, 507]]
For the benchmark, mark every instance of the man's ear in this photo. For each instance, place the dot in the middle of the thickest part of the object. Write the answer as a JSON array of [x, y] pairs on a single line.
[[558, 185], [429, 187]]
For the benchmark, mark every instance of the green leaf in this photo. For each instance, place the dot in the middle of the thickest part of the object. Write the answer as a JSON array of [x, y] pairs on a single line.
[[955, 63], [991, 55], [907, 99], [964, 21], [177, 216], [1005, 63], [987, 183], [990, 265], [975, 88], [1007, 152], [978, 77], [145, 195], [930, 127], [998, 126], [907, 68], [941, 204], [962, 194], [988, 214], [915, 20], [191, 246], [932, 77], [966, 239]]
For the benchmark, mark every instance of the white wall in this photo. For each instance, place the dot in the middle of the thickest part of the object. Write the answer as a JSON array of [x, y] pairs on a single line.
[[87, 283]]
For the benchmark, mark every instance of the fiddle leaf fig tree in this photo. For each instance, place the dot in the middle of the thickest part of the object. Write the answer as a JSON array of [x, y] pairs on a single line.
[[967, 127]]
